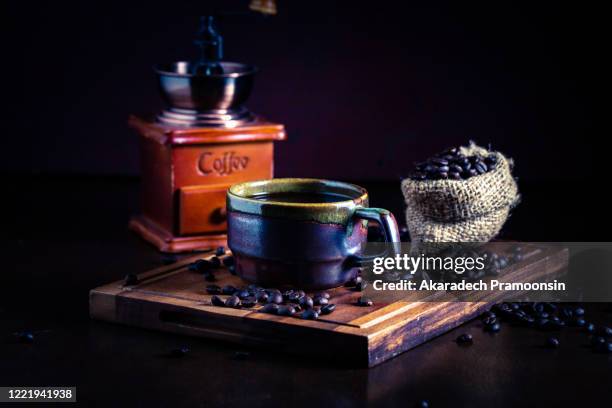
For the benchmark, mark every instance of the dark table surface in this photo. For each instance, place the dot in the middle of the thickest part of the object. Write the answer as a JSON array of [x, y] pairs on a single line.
[[65, 235]]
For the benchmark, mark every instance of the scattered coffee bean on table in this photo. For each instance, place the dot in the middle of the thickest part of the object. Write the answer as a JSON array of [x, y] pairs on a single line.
[[286, 310], [228, 261], [552, 342], [361, 285], [179, 352], [220, 251], [320, 301], [131, 279], [25, 337], [270, 308], [217, 301], [213, 289], [232, 301], [328, 308], [464, 338], [248, 301], [306, 302], [310, 314], [228, 290], [275, 298], [364, 301]]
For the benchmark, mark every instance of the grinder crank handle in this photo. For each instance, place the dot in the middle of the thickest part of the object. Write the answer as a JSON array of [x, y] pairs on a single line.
[[386, 221]]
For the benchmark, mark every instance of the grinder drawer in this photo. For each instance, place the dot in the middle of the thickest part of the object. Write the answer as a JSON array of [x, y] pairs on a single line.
[[202, 209]]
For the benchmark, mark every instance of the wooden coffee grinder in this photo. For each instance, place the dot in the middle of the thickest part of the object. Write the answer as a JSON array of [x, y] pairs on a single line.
[[203, 142]]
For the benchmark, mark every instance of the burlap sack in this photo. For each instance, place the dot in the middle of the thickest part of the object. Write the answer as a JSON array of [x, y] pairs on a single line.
[[472, 210]]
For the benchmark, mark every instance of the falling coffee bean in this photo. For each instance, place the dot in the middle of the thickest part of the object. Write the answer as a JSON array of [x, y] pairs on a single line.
[[232, 301], [328, 308]]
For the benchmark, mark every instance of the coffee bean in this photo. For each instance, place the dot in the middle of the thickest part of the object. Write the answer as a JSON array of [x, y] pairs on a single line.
[[491, 160], [481, 168], [439, 161], [493, 328], [297, 307], [131, 279], [360, 287], [270, 308], [353, 282], [232, 301], [179, 352], [597, 341], [242, 294], [232, 269], [286, 310], [465, 338], [328, 308], [579, 322], [275, 298], [607, 348], [423, 404], [489, 320], [455, 168], [228, 290], [454, 175], [240, 355], [306, 302], [310, 314], [294, 297], [217, 301], [552, 342], [261, 296], [605, 331], [25, 337], [364, 301], [220, 251], [443, 169], [213, 289], [248, 301], [215, 262], [320, 301], [578, 311], [228, 261], [323, 294], [202, 266]]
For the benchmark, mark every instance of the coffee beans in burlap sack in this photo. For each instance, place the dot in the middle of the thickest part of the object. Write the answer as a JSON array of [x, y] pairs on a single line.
[[460, 195]]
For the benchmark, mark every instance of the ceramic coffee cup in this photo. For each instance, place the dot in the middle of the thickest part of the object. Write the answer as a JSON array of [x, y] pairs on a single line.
[[306, 233]]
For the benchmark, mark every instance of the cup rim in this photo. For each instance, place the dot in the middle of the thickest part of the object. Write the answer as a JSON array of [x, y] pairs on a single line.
[[239, 199]]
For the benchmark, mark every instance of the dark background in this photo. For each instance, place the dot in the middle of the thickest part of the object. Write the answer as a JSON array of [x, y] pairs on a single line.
[[364, 88]]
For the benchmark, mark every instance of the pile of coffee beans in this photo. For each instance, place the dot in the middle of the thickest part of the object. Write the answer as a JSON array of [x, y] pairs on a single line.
[[548, 316], [454, 165], [292, 302]]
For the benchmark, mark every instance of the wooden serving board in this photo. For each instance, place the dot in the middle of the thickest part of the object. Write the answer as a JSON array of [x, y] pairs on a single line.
[[172, 298]]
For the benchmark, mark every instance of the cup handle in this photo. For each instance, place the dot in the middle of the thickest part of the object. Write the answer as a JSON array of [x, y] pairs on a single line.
[[386, 221]]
